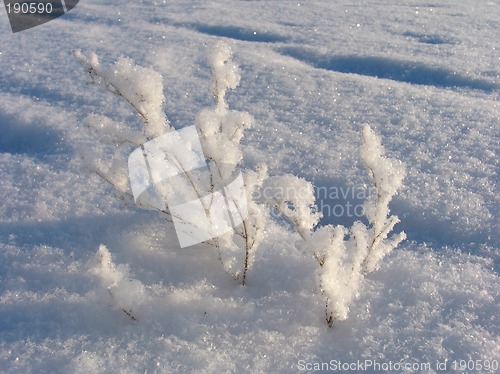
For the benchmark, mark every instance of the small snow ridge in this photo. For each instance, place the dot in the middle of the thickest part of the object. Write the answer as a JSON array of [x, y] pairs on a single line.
[[239, 33], [388, 68], [31, 139], [429, 39]]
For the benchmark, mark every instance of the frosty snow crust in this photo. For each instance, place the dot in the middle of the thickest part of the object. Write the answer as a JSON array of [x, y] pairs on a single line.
[[434, 299]]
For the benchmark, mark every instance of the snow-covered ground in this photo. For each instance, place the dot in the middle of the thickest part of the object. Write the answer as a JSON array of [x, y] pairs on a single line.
[[424, 75]]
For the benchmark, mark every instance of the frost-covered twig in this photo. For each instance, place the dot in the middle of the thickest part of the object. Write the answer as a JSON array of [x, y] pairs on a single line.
[[387, 176], [126, 294], [220, 132], [141, 87], [293, 198], [344, 255]]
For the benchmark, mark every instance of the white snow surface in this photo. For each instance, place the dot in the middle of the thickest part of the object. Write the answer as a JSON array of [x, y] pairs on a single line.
[[424, 75]]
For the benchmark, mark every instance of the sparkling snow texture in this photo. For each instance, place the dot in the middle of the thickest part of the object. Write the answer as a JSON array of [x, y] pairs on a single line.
[[425, 77]]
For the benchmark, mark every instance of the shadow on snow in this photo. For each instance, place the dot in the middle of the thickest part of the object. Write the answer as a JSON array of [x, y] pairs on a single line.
[[387, 68]]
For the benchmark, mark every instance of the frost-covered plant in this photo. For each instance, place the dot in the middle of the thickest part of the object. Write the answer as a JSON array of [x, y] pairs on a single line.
[[220, 131], [123, 292], [345, 255]]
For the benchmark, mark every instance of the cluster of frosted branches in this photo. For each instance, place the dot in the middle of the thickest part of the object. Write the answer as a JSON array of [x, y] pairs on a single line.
[[344, 255], [219, 131]]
